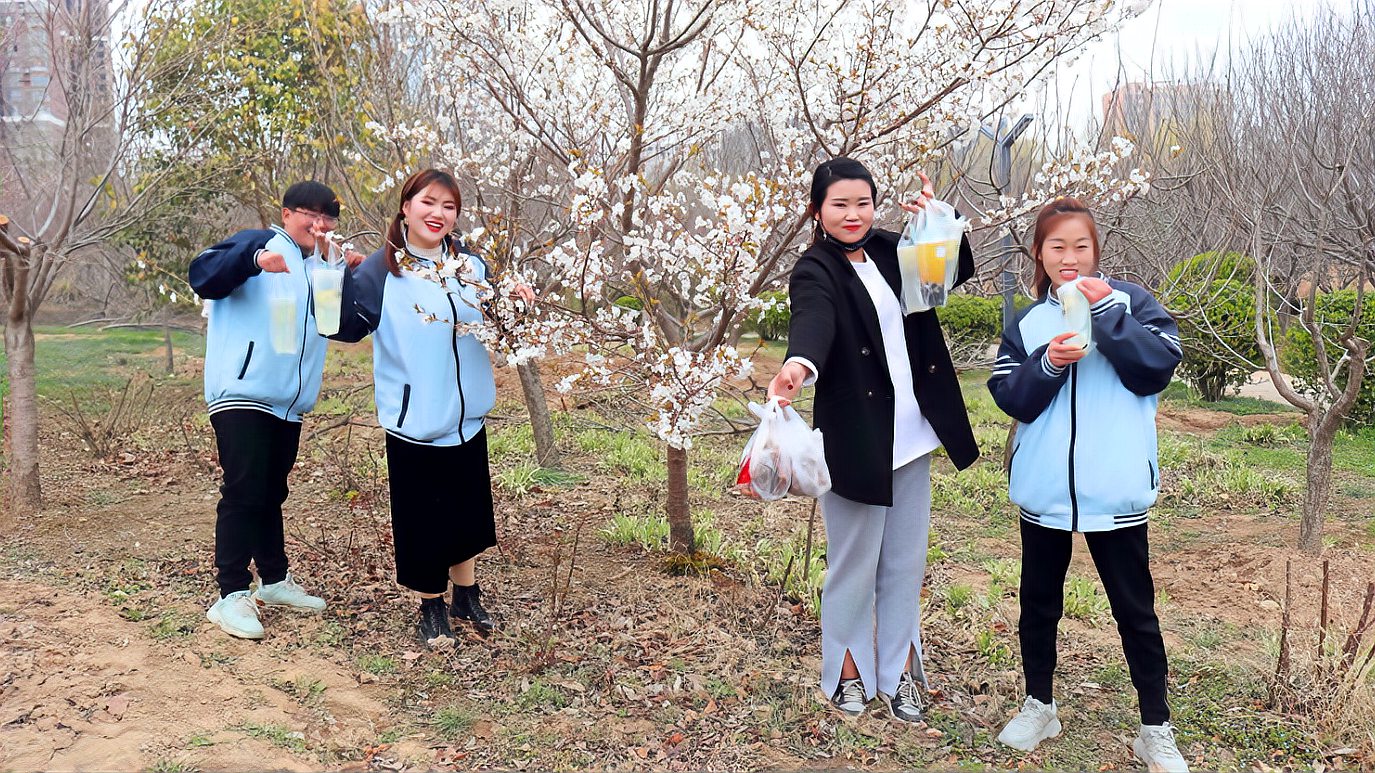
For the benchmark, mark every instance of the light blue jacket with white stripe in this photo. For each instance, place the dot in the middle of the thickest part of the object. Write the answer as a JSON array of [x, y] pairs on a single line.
[[242, 370], [432, 381], [1084, 455]]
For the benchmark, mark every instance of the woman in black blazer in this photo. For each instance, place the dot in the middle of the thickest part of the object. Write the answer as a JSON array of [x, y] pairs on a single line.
[[886, 397]]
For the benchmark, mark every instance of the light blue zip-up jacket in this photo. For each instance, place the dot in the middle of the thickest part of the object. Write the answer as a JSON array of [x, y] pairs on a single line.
[[433, 383], [1084, 455], [241, 368]]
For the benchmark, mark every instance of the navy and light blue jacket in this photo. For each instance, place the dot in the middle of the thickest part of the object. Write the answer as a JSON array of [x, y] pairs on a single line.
[[241, 368], [1084, 455], [433, 383]]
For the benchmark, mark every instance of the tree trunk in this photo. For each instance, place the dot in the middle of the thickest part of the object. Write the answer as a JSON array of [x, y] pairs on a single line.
[[167, 338], [680, 536], [24, 493], [1322, 432], [546, 452]]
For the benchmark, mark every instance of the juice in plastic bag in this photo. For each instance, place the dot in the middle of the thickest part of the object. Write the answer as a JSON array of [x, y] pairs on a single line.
[[283, 314], [929, 256], [1078, 319]]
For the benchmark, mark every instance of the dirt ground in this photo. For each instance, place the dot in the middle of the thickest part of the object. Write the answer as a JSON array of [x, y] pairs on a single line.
[[603, 659]]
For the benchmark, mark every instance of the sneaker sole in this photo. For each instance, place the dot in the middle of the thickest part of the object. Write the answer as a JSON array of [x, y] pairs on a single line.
[[312, 610], [1053, 729], [232, 631]]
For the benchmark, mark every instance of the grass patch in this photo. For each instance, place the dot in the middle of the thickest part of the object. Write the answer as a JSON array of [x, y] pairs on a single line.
[[1179, 393], [649, 532], [175, 625], [454, 722], [276, 735], [542, 697], [85, 360], [380, 665], [1083, 601]]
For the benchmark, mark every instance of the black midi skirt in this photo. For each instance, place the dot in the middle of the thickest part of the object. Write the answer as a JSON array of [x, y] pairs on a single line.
[[441, 508]]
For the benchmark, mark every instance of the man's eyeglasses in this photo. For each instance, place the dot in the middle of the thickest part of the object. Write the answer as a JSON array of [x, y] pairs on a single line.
[[328, 220]]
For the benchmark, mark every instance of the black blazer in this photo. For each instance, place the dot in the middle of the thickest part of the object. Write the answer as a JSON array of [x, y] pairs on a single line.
[[835, 326]]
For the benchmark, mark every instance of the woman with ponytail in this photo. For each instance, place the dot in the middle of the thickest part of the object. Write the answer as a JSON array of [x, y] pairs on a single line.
[[418, 296]]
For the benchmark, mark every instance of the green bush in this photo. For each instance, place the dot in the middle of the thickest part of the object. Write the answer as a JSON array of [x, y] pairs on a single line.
[[1213, 299], [971, 319], [771, 324], [1332, 313]]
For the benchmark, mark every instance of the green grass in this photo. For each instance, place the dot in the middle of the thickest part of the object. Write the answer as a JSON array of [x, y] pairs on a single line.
[[541, 697], [650, 532], [175, 625], [380, 665], [1083, 601], [454, 722], [276, 735], [87, 360], [1178, 392]]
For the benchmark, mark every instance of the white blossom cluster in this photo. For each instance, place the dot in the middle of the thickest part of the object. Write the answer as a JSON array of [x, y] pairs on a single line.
[[602, 140], [1094, 177]]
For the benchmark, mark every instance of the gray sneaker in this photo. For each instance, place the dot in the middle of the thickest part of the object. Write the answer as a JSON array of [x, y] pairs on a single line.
[[906, 704], [849, 698]]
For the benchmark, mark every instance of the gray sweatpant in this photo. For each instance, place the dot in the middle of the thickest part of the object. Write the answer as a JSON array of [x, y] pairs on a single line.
[[875, 563]]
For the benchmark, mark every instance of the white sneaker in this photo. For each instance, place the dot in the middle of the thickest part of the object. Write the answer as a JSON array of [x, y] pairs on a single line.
[[237, 615], [288, 594], [1155, 746], [1036, 722]]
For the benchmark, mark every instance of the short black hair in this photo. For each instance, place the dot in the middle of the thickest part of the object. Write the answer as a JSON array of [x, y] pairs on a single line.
[[835, 170], [311, 195]]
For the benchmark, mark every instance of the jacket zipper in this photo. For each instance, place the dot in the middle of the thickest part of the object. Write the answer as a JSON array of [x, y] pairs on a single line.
[[458, 371], [305, 328], [1073, 428]]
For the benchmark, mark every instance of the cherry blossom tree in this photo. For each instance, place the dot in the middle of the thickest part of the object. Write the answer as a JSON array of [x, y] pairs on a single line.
[[653, 157]]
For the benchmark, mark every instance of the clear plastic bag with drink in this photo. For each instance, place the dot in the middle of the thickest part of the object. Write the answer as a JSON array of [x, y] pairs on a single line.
[[282, 303], [327, 281], [1078, 315], [929, 255]]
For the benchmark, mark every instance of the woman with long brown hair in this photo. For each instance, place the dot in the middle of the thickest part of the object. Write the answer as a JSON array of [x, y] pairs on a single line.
[[418, 296], [1084, 460]]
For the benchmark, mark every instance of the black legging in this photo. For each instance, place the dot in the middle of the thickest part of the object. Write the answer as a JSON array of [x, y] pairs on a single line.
[[1122, 559]]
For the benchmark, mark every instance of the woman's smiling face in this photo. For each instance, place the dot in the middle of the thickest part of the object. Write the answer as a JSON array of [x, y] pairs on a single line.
[[847, 213], [430, 215], [1067, 252]]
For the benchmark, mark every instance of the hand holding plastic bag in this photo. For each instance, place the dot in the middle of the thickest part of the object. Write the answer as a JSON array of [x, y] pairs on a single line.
[[1078, 316], [784, 456], [929, 255]]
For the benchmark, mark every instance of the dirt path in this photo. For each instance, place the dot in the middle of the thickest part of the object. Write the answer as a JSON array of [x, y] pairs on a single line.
[[84, 689]]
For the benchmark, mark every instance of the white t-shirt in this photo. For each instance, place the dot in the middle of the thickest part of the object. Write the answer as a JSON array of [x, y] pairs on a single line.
[[913, 436]]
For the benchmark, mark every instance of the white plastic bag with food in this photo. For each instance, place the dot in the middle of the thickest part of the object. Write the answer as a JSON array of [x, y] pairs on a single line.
[[784, 456]]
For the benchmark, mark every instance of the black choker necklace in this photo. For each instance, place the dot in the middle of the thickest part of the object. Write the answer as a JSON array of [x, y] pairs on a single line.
[[847, 246]]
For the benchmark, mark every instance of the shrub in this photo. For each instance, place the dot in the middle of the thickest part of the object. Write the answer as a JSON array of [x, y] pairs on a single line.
[[1332, 313], [1213, 299], [771, 324]]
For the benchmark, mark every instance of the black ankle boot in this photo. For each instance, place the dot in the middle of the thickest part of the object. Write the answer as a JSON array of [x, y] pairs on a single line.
[[468, 606], [434, 621]]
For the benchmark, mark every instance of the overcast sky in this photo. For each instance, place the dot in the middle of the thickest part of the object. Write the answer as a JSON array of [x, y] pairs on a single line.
[[1157, 43]]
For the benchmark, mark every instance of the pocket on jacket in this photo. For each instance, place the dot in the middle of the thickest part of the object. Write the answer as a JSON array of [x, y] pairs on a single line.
[[247, 358], [405, 406], [1150, 469]]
